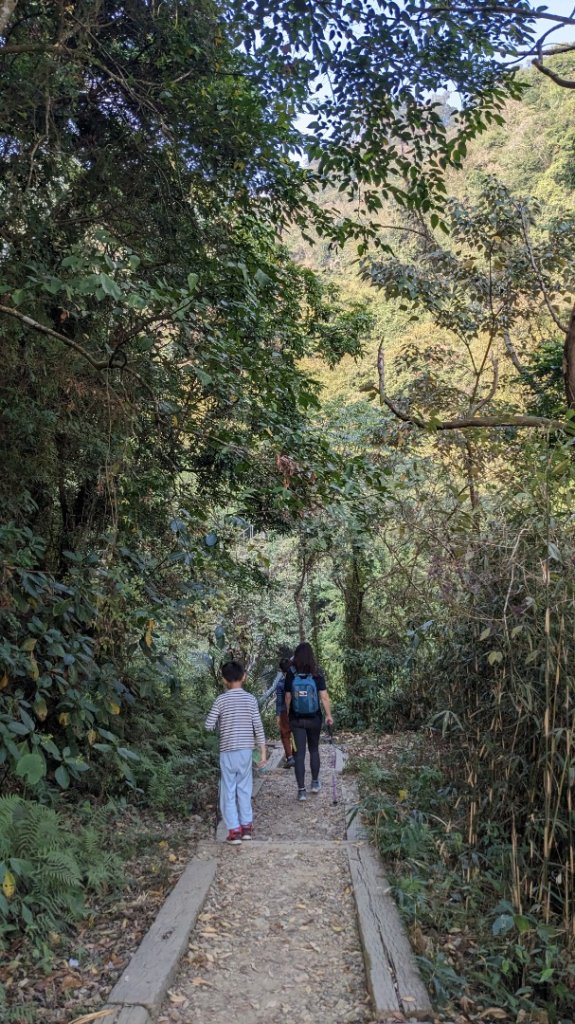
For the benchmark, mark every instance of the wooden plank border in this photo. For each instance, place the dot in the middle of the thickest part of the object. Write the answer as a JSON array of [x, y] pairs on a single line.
[[143, 985], [393, 978]]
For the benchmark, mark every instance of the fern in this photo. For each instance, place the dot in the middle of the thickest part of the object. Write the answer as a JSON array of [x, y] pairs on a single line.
[[58, 868], [52, 867]]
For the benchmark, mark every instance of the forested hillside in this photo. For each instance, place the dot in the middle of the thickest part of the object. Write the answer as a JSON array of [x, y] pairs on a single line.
[[264, 383]]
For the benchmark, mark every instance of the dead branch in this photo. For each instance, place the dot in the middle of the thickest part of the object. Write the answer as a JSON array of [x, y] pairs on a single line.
[[466, 422]]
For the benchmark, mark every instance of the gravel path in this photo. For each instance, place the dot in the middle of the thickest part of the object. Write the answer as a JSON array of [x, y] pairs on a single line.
[[278, 815], [277, 939]]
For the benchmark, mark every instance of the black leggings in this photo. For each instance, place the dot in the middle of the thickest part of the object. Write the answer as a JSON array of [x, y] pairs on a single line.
[[306, 730]]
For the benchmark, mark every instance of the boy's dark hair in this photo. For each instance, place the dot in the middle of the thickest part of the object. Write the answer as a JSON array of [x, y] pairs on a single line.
[[304, 659], [233, 671], [284, 664]]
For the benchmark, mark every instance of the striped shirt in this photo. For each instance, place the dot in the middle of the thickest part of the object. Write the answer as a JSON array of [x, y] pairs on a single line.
[[237, 716]]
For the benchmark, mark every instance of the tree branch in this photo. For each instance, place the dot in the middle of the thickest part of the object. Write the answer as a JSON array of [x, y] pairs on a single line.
[[464, 422], [512, 352], [381, 372], [562, 327], [98, 364], [484, 401], [15, 49], [520, 13], [565, 83]]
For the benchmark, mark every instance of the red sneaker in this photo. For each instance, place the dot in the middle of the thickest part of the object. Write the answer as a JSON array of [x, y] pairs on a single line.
[[234, 836], [247, 831]]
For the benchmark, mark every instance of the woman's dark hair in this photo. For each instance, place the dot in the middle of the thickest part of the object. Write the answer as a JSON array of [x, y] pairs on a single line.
[[284, 664], [304, 659]]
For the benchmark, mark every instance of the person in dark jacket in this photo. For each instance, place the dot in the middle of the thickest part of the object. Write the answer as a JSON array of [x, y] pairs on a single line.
[[305, 695], [281, 712]]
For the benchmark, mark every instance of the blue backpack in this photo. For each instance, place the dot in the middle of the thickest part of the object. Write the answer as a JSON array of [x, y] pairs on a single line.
[[304, 698]]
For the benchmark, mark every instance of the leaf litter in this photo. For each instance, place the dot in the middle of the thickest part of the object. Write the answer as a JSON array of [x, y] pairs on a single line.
[[102, 945]]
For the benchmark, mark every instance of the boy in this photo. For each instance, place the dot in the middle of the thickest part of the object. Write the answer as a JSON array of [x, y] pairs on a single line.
[[237, 715]]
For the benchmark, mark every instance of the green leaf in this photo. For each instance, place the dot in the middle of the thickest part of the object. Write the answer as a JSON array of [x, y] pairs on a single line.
[[19, 728], [31, 768], [523, 924], [109, 286], [502, 924], [261, 278], [62, 777], [130, 755]]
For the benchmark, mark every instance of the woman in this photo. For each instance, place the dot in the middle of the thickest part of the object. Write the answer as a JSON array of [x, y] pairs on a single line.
[[305, 694]]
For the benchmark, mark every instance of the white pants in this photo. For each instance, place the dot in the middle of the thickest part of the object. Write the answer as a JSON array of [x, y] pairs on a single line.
[[236, 787]]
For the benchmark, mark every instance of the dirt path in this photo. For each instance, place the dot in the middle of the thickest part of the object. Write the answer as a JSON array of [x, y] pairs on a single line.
[[277, 939]]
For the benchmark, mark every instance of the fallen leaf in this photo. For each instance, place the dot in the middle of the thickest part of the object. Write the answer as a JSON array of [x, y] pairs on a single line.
[[70, 982]]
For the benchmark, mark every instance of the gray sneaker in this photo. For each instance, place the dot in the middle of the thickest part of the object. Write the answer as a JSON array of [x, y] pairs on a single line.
[[301, 795], [315, 785]]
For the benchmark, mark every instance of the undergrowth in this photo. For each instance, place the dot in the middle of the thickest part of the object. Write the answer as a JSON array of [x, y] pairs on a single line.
[[475, 950]]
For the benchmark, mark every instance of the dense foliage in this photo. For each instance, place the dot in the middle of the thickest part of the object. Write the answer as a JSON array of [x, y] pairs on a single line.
[[152, 402], [217, 438]]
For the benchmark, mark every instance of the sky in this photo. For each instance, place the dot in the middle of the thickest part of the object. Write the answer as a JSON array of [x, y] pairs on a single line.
[[563, 8]]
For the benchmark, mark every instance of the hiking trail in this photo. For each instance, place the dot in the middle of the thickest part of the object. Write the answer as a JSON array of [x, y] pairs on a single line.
[[297, 924]]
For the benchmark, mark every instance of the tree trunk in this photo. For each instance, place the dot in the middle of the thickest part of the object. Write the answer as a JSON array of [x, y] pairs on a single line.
[[7, 8], [297, 595], [569, 361], [470, 471], [314, 613], [354, 592]]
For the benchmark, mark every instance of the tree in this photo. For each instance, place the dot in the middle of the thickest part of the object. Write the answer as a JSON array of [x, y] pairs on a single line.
[[492, 281], [152, 331], [364, 77]]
